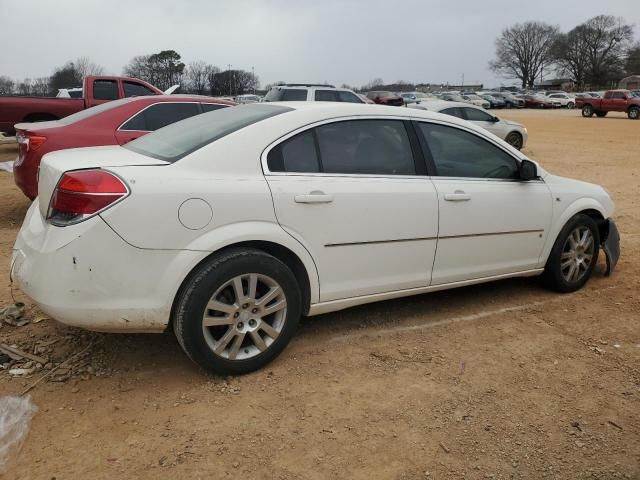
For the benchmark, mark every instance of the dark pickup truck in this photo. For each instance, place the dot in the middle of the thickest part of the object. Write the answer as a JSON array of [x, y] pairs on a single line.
[[96, 90], [613, 101]]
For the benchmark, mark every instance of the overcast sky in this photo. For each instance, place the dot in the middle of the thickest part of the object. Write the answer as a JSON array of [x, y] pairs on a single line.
[[312, 41]]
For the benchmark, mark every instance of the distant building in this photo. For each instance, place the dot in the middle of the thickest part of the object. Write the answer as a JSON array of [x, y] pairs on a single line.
[[630, 83], [565, 84], [439, 87]]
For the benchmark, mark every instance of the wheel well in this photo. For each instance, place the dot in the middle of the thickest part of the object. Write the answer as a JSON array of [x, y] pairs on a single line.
[[39, 117], [603, 227], [283, 254], [633, 106]]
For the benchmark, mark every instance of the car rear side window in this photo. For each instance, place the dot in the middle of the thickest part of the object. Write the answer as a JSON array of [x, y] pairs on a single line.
[[369, 147], [134, 89], [160, 115], [105, 89], [210, 107], [178, 140], [458, 153], [297, 154], [475, 115], [326, 96], [348, 97]]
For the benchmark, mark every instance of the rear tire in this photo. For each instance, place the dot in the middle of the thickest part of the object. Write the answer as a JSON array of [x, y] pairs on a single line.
[[587, 111], [571, 105], [574, 255], [218, 317], [633, 113]]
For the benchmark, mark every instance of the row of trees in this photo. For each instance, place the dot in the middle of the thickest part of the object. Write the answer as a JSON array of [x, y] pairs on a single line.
[[162, 69], [596, 53], [166, 68]]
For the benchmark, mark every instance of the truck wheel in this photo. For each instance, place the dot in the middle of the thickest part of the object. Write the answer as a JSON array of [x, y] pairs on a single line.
[[587, 111], [571, 105], [574, 255], [634, 113], [601, 114], [237, 312]]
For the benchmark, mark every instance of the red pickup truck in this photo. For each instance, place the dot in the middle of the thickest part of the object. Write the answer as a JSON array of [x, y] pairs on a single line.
[[96, 90], [613, 101]]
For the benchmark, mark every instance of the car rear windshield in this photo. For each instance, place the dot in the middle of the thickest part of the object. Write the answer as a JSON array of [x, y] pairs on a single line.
[[90, 112], [179, 139]]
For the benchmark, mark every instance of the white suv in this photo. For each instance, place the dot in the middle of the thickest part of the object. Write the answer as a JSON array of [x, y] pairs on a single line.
[[298, 92]]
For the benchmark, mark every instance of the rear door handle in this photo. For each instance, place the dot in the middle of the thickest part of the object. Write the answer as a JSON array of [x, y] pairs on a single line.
[[314, 197], [457, 196]]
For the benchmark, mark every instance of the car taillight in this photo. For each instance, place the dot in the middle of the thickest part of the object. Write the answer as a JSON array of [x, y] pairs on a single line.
[[81, 194], [28, 141]]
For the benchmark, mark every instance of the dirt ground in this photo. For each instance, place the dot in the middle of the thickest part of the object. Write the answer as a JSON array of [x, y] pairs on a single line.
[[504, 380]]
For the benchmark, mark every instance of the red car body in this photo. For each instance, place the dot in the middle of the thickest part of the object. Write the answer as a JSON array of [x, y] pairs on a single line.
[[113, 123], [534, 101], [96, 90], [386, 98]]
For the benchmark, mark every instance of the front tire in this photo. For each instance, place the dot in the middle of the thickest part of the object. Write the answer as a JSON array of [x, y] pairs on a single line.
[[571, 105], [587, 111], [574, 255], [633, 113], [515, 140], [237, 311]]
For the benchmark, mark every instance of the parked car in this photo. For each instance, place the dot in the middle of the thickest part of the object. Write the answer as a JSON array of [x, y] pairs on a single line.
[[408, 97], [365, 99], [494, 102], [96, 90], [386, 98], [510, 100], [537, 101], [563, 100], [613, 101], [233, 224], [300, 92], [515, 134], [248, 98], [113, 123], [476, 100]]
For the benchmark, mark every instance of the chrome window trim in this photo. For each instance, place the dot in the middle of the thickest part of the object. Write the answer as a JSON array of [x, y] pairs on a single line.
[[444, 122]]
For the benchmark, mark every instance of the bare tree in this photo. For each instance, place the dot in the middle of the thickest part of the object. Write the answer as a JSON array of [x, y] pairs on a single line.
[[6, 85], [632, 62], [40, 87], [197, 77], [86, 67], [523, 51], [571, 55], [162, 69], [606, 39], [24, 87]]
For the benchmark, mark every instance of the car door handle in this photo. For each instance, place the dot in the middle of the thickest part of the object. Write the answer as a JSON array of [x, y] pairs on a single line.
[[314, 197], [457, 196]]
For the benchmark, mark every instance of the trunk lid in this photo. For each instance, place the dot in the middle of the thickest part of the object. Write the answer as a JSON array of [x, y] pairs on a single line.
[[54, 164]]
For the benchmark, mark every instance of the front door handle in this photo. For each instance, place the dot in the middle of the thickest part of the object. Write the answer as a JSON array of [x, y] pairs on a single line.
[[314, 197], [457, 196]]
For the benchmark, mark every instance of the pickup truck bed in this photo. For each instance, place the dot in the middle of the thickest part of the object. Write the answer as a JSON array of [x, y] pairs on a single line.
[[96, 90]]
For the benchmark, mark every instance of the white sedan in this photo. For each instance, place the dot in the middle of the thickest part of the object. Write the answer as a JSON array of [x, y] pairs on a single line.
[[232, 224], [562, 100], [514, 133]]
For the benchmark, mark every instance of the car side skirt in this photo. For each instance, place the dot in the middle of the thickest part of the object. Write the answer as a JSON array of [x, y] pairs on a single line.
[[335, 305]]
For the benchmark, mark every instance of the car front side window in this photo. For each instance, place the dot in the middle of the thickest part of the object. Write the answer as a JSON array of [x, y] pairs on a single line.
[[475, 115], [458, 153]]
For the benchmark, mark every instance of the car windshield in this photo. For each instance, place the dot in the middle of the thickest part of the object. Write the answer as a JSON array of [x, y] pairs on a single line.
[[90, 112], [179, 139]]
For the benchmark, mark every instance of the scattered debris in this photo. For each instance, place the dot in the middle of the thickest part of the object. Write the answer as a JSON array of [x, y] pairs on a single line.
[[15, 419], [611, 422], [39, 319], [18, 354], [14, 315], [445, 448], [22, 372]]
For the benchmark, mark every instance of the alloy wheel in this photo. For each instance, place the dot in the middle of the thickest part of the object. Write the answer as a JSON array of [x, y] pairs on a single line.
[[577, 254], [244, 316]]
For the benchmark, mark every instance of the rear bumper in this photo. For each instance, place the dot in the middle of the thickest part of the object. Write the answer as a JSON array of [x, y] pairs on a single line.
[[87, 276]]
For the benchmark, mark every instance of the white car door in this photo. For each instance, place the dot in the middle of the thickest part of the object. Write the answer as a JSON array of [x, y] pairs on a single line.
[[354, 194], [490, 222]]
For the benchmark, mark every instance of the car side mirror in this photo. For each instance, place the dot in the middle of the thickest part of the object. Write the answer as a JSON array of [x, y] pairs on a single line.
[[495, 119], [527, 170]]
